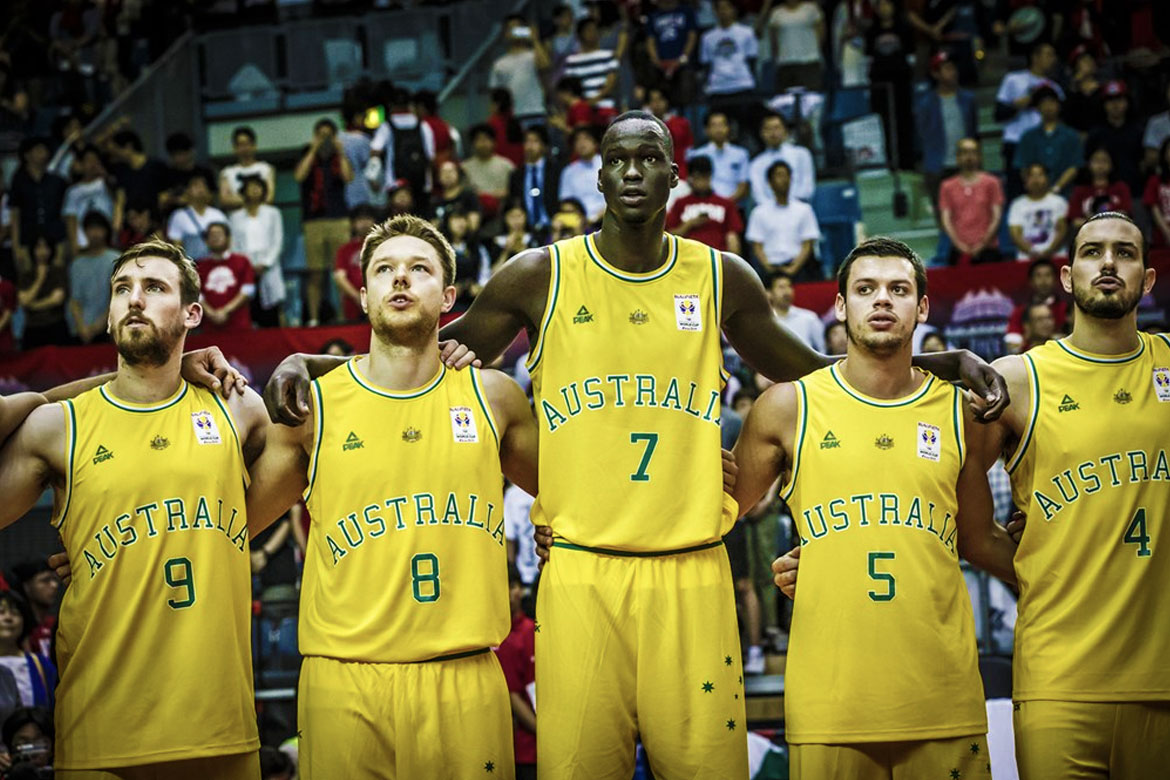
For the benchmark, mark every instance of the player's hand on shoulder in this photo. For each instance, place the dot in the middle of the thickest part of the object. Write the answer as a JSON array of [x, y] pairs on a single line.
[[59, 562], [1015, 526], [784, 572], [208, 368], [989, 390], [544, 540], [286, 396], [730, 471], [457, 356]]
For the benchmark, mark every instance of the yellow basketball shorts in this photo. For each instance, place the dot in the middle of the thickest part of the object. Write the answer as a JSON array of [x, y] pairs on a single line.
[[240, 766], [440, 720], [630, 646], [1076, 740], [962, 758]]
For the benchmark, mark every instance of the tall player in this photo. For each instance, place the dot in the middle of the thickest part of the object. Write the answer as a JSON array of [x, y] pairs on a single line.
[[883, 677], [405, 586], [148, 474], [626, 366]]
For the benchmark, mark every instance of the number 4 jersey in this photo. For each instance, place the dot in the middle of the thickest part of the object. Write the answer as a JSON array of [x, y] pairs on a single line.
[[153, 639], [627, 372], [406, 558], [1092, 472], [883, 638]]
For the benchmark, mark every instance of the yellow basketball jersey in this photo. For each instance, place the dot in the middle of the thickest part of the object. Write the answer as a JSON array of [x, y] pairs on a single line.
[[406, 558], [1093, 475], [154, 639], [627, 373], [883, 638]]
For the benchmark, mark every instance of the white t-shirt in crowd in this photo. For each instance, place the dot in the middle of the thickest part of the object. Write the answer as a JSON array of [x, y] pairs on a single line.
[[804, 173], [1014, 86], [579, 180], [84, 197], [1157, 131], [187, 225], [234, 173], [782, 230], [518, 528], [1037, 219], [727, 51], [806, 325], [518, 74], [796, 30], [18, 665]]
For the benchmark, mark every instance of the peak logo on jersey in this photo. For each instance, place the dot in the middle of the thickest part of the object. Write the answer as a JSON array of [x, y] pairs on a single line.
[[883, 442], [1122, 397], [687, 313], [102, 454], [411, 435], [639, 317], [463, 424], [929, 442], [159, 443], [1067, 404], [1162, 384], [583, 315], [352, 442], [206, 431], [830, 442]]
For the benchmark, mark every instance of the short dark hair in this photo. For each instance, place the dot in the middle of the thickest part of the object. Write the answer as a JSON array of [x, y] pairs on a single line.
[[427, 100], [219, 223], [1043, 262], [127, 138], [32, 142], [882, 246], [179, 142], [23, 716], [750, 393], [714, 113], [773, 115], [700, 165], [777, 276], [482, 129], [246, 131], [366, 210], [95, 218], [570, 84], [324, 122], [1035, 48], [581, 25], [18, 603], [643, 116], [203, 176], [588, 130], [776, 165], [540, 131], [1026, 315], [1110, 215], [502, 97], [1044, 92], [254, 178]]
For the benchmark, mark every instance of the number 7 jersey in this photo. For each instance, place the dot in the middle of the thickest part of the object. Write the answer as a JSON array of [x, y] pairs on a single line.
[[627, 372]]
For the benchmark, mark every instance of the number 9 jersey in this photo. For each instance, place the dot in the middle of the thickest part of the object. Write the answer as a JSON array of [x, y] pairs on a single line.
[[153, 639]]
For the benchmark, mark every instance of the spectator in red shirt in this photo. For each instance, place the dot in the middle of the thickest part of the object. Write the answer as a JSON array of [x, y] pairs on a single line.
[[1157, 198], [227, 280], [971, 204], [509, 133], [1042, 277], [1101, 193], [347, 265], [138, 226], [679, 127], [516, 655], [577, 111], [703, 215], [426, 105], [7, 307]]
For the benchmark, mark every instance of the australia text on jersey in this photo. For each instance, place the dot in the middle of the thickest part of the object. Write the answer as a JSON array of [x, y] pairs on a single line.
[[620, 390], [458, 511], [857, 512], [127, 526], [1117, 469]]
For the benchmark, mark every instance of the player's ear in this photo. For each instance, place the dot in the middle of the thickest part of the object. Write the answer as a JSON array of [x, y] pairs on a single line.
[[839, 307], [923, 309], [364, 301], [449, 296], [673, 175], [1148, 282], [1066, 276], [194, 316]]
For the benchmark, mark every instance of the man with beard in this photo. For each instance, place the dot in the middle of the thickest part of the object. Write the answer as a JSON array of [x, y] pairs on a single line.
[[405, 585], [1085, 439], [883, 608], [631, 475], [148, 474]]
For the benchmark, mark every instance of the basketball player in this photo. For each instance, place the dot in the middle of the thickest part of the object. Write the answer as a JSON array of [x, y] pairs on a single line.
[[624, 327], [1086, 438], [883, 676], [148, 473], [405, 585]]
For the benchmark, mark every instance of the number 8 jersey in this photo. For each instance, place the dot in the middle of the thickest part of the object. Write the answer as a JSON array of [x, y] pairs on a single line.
[[406, 558], [627, 372], [153, 639]]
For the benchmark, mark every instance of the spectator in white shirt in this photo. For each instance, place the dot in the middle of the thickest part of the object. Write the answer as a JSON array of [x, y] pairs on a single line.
[[579, 178], [730, 161], [518, 69], [797, 32], [779, 146], [1013, 102], [258, 234], [91, 193], [1038, 218], [405, 146], [804, 323], [188, 223], [231, 178], [728, 52], [783, 234], [518, 530]]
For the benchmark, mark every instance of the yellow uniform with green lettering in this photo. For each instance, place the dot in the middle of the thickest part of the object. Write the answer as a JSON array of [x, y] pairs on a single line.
[[1092, 471], [636, 613], [405, 586], [883, 647], [154, 638]]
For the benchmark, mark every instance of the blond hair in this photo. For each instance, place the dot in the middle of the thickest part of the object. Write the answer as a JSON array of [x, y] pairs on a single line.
[[156, 246], [410, 225]]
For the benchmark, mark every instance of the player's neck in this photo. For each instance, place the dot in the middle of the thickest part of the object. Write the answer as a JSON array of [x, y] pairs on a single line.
[[885, 376], [145, 384], [1104, 337], [401, 366], [633, 248]]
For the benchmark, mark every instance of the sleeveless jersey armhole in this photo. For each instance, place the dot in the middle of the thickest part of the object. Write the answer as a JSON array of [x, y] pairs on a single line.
[[554, 285], [236, 435], [318, 430], [960, 423], [70, 450], [477, 386], [1033, 412], [717, 294], [798, 441]]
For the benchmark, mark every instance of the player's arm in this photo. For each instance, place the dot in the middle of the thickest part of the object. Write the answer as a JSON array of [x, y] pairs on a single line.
[[32, 459], [765, 443], [252, 420], [982, 541], [518, 433], [280, 474], [205, 367], [14, 409]]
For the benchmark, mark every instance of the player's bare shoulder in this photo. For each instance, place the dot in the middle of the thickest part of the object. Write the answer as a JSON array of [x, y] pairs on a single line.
[[505, 397], [776, 412], [1014, 370], [44, 434]]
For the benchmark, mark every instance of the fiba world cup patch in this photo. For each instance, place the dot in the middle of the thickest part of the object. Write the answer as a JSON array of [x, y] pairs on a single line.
[[463, 424], [929, 442], [1162, 384], [687, 313], [206, 431]]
